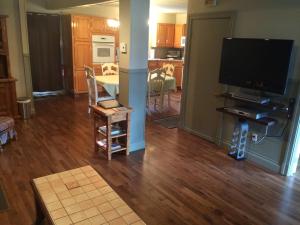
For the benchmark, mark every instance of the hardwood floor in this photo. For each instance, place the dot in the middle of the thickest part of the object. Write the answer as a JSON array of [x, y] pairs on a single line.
[[168, 111], [179, 179]]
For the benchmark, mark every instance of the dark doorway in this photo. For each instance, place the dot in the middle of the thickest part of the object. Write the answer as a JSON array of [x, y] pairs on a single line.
[[45, 54]]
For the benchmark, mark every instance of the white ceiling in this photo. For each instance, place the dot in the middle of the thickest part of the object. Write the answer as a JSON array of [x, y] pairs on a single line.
[[170, 6], [165, 6]]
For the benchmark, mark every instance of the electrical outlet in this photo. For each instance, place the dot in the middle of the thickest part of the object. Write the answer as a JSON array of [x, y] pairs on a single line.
[[254, 137]]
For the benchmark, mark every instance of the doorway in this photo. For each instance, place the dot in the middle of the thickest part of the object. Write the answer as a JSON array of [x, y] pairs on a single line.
[[167, 35], [45, 54]]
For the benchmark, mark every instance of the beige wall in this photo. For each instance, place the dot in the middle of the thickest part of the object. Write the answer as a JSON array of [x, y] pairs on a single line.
[[166, 18], [181, 18], [260, 19], [11, 8]]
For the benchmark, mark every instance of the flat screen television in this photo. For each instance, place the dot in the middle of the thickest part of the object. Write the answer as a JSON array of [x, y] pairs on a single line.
[[260, 64]]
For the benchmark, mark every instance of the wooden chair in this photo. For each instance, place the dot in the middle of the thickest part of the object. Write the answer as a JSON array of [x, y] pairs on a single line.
[[169, 68], [156, 80], [94, 95], [110, 69]]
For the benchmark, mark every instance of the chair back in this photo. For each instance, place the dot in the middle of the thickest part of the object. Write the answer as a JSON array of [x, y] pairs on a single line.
[[92, 85], [156, 80], [169, 69], [110, 69]]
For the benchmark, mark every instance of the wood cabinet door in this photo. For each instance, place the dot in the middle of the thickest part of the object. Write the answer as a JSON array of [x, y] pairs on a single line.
[[98, 25], [81, 28], [170, 35], [178, 75], [178, 34], [161, 35], [4, 99], [80, 82], [184, 30], [82, 55]]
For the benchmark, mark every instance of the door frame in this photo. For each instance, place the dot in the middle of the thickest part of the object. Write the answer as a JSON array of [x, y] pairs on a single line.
[[231, 15], [292, 153]]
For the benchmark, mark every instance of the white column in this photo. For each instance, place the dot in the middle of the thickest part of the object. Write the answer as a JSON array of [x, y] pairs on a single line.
[[134, 15]]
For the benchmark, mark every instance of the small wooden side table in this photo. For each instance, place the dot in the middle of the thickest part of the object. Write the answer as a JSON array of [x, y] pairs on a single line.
[[111, 129]]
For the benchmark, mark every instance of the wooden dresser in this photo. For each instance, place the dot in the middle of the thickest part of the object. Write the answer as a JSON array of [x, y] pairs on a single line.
[[8, 103]]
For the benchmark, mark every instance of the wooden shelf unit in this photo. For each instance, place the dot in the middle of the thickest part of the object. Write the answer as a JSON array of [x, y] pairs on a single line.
[[108, 117], [272, 107], [266, 121], [8, 101]]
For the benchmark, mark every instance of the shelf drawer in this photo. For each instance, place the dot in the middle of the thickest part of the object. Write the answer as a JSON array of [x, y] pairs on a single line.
[[118, 117]]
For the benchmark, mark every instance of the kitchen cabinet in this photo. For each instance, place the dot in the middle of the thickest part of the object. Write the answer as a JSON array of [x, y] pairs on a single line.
[[165, 35], [77, 31], [82, 55], [98, 25], [179, 33], [80, 82], [81, 28]]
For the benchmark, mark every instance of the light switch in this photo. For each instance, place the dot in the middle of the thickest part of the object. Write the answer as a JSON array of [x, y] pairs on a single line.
[[123, 47]]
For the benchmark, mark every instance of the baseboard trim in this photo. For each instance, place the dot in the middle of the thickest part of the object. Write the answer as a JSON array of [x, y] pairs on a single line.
[[256, 158], [204, 136]]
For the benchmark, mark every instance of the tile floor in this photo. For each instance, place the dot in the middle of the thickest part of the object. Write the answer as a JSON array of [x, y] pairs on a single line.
[[82, 197]]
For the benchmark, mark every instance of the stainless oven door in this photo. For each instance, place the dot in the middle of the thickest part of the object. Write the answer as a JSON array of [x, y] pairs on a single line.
[[103, 53]]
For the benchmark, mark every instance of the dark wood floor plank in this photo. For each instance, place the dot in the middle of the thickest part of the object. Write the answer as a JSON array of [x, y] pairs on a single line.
[[179, 179]]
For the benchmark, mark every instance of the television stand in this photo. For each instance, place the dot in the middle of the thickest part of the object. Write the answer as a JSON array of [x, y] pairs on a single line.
[[249, 98]]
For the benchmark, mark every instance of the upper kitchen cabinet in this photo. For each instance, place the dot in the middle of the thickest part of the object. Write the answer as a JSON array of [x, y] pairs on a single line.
[[81, 28], [98, 25], [165, 35], [180, 31]]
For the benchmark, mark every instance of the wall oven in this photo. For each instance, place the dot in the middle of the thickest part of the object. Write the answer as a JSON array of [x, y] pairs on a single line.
[[103, 49]]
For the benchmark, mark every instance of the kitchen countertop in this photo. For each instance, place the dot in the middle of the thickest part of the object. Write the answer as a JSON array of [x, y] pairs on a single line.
[[171, 60]]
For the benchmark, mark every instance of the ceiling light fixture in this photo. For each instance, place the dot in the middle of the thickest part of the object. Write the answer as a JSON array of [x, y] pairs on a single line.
[[113, 23]]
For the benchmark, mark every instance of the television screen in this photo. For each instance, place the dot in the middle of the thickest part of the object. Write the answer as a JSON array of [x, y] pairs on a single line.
[[260, 64]]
